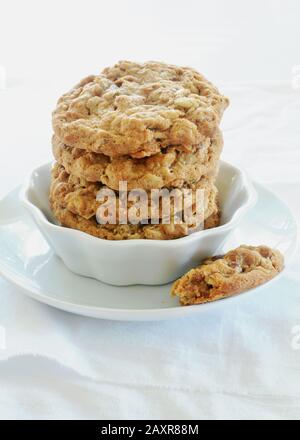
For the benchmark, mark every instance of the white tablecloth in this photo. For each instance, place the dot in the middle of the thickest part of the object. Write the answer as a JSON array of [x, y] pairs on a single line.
[[239, 361]]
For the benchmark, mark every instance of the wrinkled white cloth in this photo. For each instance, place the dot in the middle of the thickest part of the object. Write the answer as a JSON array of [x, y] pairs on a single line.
[[239, 361]]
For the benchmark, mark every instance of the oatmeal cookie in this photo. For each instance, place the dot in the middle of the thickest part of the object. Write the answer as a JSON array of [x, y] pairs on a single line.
[[138, 109], [222, 276], [168, 168], [128, 231], [80, 197]]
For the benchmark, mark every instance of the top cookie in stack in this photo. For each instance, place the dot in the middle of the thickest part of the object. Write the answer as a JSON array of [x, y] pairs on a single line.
[[153, 125]]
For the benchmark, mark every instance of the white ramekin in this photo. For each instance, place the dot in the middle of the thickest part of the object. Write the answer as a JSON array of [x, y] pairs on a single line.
[[130, 262]]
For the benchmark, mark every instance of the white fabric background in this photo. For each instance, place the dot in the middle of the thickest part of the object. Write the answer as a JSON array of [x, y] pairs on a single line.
[[241, 361]]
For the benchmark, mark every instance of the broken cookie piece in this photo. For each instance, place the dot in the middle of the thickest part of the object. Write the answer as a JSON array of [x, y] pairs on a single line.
[[222, 276]]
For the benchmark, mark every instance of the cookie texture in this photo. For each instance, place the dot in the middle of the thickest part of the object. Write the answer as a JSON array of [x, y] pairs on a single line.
[[171, 167], [80, 197], [128, 232], [139, 109], [151, 125], [222, 276]]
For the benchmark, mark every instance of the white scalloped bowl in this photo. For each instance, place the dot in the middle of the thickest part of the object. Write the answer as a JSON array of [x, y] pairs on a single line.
[[129, 262]]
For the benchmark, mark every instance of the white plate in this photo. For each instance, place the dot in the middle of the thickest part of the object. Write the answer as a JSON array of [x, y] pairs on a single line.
[[27, 260]]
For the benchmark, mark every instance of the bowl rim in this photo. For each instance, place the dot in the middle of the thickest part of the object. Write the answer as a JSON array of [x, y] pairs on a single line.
[[249, 202]]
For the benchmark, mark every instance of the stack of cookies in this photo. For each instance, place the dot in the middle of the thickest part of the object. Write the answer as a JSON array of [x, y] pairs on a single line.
[[151, 125]]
